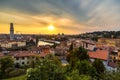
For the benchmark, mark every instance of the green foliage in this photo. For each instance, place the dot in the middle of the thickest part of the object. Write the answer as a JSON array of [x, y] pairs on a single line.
[[100, 69], [54, 59], [100, 34], [47, 69], [99, 66], [16, 72], [32, 62], [71, 55], [79, 60], [71, 47], [17, 65], [23, 77], [82, 54], [77, 55], [84, 67], [95, 38], [6, 62], [74, 75], [112, 76]]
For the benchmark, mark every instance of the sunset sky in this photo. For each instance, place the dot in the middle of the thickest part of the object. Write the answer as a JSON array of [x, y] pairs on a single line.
[[68, 16]]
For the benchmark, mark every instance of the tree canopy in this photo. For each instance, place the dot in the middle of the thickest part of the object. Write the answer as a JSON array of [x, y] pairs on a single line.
[[48, 69], [6, 62]]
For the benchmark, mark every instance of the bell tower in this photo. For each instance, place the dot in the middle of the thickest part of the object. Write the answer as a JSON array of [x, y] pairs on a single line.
[[11, 31]]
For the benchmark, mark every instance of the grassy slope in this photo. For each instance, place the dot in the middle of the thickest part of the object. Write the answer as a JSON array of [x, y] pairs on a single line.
[[23, 77]]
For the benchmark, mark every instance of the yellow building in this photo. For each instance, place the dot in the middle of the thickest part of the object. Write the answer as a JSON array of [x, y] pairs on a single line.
[[12, 44], [110, 42], [115, 56]]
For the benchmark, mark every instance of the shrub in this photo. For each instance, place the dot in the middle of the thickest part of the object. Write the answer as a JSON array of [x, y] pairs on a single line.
[[16, 72]]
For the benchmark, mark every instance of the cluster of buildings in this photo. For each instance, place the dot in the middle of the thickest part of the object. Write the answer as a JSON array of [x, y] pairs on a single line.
[[23, 57], [26, 57], [12, 44], [109, 54], [110, 42], [12, 41], [108, 50]]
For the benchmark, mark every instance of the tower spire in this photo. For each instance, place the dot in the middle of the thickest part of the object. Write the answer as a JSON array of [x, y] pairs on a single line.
[[11, 31]]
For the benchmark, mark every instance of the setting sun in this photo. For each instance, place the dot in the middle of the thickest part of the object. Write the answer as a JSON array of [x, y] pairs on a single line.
[[51, 27]]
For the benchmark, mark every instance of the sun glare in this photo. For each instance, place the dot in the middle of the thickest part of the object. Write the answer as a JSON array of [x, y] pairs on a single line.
[[51, 27]]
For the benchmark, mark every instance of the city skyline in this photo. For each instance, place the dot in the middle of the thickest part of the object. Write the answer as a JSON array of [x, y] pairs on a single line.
[[67, 16]]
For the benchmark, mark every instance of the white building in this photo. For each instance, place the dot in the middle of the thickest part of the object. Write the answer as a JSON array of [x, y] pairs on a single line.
[[89, 45], [24, 58], [11, 44]]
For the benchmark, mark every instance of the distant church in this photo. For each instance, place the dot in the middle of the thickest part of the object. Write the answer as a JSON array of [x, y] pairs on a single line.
[[11, 31]]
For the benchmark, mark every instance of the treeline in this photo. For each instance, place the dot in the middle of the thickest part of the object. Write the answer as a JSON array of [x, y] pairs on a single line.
[[101, 34]]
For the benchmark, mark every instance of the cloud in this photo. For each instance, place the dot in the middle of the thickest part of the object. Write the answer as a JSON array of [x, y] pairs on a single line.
[[65, 14]]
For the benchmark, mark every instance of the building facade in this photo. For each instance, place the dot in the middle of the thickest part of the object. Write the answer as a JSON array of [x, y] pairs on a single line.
[[11, 44]]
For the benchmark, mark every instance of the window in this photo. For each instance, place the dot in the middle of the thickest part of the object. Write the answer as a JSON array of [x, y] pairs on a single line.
[[17, 58], [32, 57], [22, 58], [114, 58], [28, 62], [23, 63]]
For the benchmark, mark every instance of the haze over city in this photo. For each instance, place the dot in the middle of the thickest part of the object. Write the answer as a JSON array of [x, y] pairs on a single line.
[[67, 16]]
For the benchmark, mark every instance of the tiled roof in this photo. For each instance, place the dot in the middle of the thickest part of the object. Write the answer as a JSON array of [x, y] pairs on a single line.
[[24, 54], [27, 54], [99, 54], [43, 54]]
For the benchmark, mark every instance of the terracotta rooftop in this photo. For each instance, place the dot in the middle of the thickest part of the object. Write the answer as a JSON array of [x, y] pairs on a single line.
[[24, 54], [43, 54], [99, 54]]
